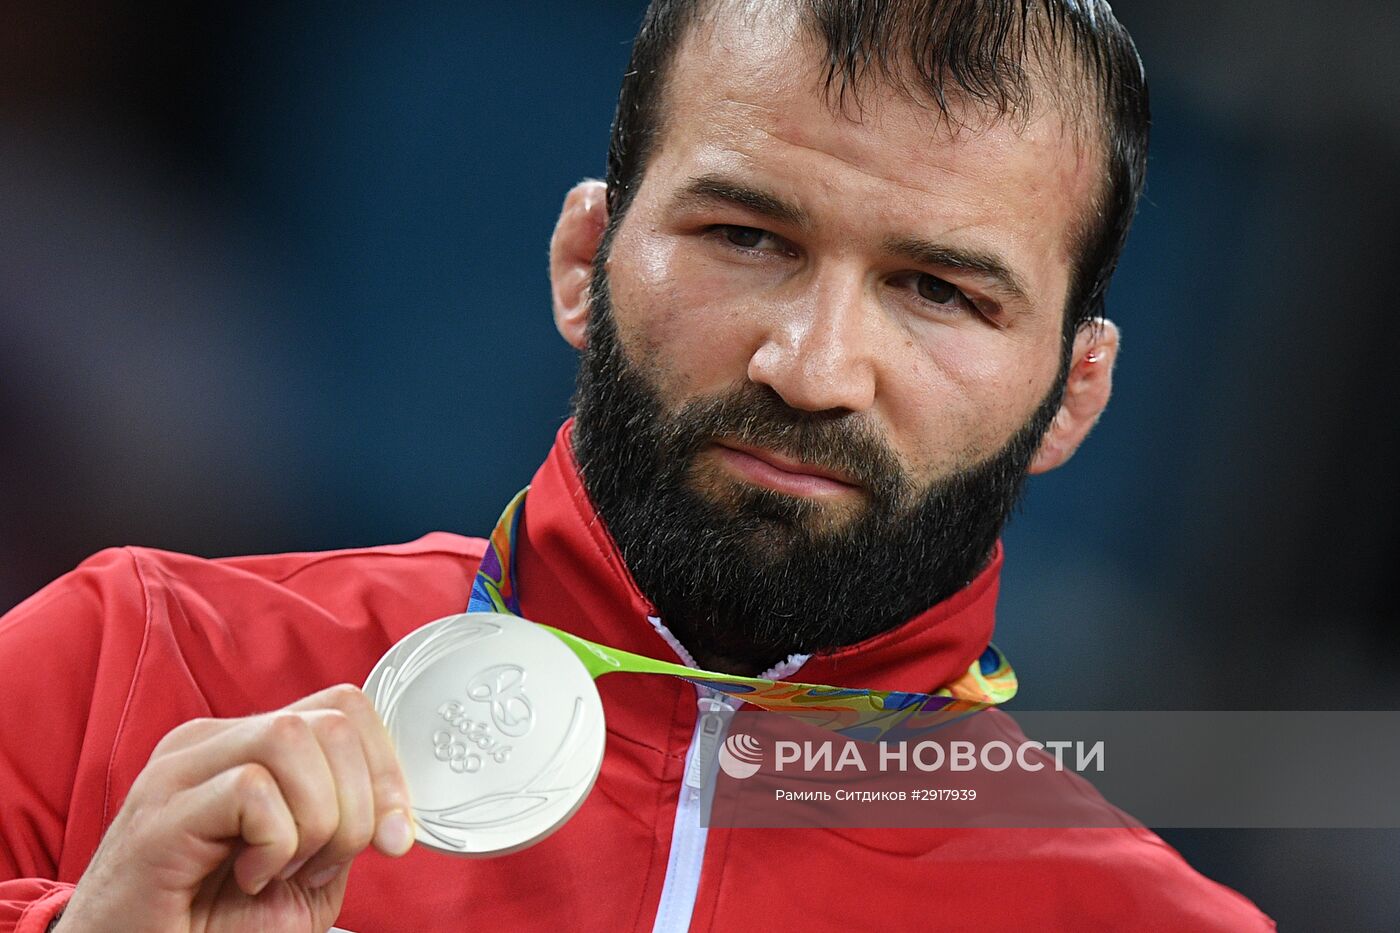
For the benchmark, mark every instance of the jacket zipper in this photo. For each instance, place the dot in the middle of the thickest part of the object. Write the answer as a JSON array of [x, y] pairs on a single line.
[[687, 855], [688, 836]]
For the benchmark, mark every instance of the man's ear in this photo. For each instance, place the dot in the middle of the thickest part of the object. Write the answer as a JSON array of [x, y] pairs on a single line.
[[1086, 394], [571, 251]]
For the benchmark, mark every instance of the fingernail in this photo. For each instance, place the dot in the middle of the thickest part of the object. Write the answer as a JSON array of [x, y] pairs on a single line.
[[394, 834], [325, 876], [292, 868]]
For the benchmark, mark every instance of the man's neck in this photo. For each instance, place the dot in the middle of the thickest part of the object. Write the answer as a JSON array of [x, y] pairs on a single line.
[[709, 661], [720, 661]]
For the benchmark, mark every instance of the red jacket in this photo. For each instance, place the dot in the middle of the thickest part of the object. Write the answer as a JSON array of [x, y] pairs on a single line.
[[99, 665]]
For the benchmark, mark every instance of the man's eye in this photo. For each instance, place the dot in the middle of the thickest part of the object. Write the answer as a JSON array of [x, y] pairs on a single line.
[[744, 237], [932, 288]]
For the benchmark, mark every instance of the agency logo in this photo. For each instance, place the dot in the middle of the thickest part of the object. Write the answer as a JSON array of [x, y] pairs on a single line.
[[740, 756]]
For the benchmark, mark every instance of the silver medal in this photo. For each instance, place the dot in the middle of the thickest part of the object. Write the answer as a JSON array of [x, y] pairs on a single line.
[[498, 727]]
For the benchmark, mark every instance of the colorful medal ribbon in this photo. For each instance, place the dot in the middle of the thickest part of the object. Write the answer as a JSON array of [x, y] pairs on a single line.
[[868, 715]]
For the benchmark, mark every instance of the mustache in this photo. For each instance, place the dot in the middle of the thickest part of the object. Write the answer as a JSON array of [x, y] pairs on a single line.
[[756, 415]]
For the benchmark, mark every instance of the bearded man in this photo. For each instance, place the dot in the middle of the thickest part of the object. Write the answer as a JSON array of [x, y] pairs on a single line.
[[841, 292]]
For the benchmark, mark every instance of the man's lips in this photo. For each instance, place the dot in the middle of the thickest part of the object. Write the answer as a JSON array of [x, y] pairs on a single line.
[[783, 474]]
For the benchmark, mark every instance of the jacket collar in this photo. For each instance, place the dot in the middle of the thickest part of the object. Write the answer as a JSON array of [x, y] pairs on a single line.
[[571, 575]]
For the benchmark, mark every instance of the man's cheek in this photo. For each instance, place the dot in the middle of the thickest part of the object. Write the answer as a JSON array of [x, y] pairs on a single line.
[[695, 338]]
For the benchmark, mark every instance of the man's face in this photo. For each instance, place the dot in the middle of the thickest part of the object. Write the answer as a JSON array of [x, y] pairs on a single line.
[[823, 348], [878, 265]]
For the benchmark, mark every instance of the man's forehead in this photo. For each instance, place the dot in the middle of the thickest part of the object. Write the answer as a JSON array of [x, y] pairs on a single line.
[[755, 66], [749, 90]]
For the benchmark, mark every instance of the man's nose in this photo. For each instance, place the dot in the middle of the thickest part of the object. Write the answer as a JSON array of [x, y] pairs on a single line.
[[817, 352]]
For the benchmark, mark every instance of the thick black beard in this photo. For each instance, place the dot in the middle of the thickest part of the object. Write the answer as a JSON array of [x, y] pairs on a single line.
[[759, 575]]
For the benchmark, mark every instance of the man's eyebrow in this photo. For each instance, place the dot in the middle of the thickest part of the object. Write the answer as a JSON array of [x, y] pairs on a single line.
[[988, 265], [718, 189]]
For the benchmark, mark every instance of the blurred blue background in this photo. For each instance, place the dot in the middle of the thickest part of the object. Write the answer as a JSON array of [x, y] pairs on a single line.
[[273, 277]]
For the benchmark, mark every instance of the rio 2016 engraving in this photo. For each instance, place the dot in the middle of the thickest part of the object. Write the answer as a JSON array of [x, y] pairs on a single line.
[[501, 688], [451, 745]]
